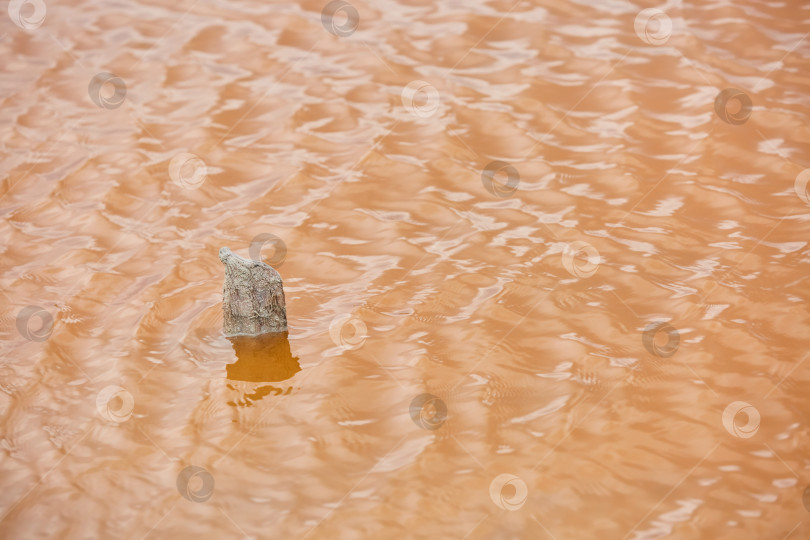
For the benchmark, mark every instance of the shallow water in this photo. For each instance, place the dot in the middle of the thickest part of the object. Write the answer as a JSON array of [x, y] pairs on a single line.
[[616, 320]]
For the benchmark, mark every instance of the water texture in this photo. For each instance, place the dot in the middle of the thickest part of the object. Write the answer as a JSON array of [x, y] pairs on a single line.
[[545, 263]]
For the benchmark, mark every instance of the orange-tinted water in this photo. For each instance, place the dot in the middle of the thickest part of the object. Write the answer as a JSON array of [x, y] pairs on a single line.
[[616, 321]]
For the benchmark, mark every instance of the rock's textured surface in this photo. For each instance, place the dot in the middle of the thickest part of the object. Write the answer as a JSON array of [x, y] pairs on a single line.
[[253, 297]]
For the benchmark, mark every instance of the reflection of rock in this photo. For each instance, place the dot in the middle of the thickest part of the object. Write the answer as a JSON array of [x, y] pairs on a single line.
[[260, 359], [245, 394], [264, 358], [251, 386], [253, 296]]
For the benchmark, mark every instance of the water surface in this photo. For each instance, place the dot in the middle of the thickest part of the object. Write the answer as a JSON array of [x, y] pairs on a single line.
[[630, 204]]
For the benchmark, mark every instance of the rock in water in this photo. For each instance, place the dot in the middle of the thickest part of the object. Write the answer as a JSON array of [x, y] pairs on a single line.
[[253, 297]]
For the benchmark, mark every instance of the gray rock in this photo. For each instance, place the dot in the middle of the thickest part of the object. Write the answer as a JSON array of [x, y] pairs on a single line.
[[253, 297]]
